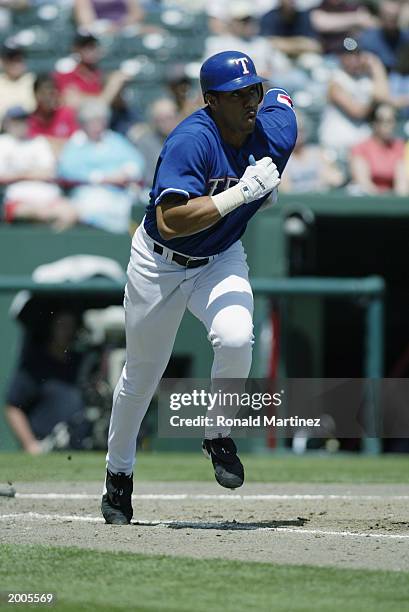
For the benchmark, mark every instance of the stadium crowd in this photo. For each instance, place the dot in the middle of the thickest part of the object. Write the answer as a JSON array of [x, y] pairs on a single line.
[[91, 88]]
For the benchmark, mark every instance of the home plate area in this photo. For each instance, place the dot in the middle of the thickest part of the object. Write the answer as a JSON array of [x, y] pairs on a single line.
[[359, 526]]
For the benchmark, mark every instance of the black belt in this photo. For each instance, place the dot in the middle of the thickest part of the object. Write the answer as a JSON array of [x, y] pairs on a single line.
[[187, 262]]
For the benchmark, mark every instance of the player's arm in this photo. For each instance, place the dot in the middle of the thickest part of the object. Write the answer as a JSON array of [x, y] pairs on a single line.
[[23, 392], [350, 106], [177, 216], [325, 22], [279, 125], [401, 180], [84, 13], [293, 46], [19, 423], [361, 174]]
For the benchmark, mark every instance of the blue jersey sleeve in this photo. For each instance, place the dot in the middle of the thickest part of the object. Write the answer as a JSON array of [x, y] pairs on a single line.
[[279, 125], [182, 168]]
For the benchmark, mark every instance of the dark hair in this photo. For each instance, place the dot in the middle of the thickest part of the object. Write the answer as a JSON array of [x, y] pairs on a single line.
[[83, 38], [39, 325], [11, 50], [41, 79]]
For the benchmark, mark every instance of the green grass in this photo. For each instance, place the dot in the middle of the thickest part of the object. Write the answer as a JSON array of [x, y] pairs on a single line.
[[102, 581], [192, 466]]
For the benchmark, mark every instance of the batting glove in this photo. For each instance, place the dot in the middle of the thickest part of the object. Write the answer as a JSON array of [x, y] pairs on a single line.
[[259, 179]]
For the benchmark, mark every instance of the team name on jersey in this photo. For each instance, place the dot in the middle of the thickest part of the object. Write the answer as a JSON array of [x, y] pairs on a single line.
[[221, 184]]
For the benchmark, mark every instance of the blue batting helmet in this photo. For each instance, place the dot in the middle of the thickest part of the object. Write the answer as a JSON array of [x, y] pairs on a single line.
[[228, 71]]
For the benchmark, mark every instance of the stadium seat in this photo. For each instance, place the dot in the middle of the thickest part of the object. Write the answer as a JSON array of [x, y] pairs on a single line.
[[56, 16]]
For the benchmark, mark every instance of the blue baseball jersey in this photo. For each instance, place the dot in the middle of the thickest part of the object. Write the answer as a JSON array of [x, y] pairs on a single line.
[[195, 161]]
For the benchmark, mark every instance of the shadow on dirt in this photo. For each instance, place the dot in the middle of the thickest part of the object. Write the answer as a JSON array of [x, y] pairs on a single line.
[[228, 525]]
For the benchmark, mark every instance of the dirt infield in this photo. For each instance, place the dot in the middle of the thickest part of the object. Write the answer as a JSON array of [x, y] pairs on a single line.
[[358, 526]]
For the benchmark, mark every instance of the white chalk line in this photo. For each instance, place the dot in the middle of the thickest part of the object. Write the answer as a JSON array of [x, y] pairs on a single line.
[[215, 496], [205, 525], [86, 518]]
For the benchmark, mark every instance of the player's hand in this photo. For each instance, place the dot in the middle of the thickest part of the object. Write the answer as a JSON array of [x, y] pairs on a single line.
[[259, 179]]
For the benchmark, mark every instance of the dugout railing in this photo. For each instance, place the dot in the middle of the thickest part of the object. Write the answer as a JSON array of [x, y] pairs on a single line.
[[370, 290]]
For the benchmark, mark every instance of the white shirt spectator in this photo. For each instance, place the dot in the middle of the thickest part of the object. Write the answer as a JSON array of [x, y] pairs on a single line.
[[221, 9], [19, 158], [337, 130], [17, 92]]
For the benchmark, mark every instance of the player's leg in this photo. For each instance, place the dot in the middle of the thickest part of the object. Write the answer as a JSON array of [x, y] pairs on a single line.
[[154, 307], [150, 341], [223, 301]]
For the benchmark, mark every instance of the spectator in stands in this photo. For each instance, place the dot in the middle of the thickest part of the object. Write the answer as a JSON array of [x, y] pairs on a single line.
[[22, 157], [386, 40], [358, 84], [149, 137], [114, 14], [290, 29], [85, 79], [399, 83], [123, 114], [181, 90], [310, 168], [43, 391], [50, 119], [27, 167], [333, 20], [219, 12], [16, 84], [377, 164], [242, 34], [108, 163]]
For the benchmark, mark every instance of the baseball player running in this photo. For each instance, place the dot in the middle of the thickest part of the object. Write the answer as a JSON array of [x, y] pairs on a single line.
[[215, 171]]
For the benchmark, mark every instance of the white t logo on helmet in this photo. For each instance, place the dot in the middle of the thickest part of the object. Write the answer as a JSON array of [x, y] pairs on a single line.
[[243, 61]]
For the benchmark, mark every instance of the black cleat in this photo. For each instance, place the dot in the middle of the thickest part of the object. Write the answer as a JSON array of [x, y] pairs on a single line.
[[116, 504], [228, 469]]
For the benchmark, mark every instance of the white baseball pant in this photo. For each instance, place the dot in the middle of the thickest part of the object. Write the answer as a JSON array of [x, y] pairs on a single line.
[[156, 296]]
